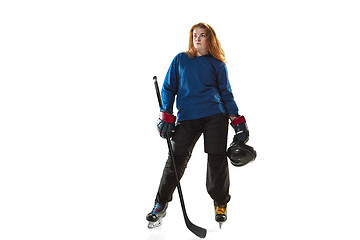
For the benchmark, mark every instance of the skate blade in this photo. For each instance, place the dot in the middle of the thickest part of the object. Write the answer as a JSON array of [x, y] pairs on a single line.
[[220, 225], [156, 224]]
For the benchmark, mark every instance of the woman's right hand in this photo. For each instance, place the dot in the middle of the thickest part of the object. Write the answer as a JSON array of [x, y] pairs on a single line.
[[166, 124]]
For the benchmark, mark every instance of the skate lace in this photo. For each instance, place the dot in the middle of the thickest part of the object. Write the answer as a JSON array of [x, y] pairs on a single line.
[[221, 209], [157, 208]]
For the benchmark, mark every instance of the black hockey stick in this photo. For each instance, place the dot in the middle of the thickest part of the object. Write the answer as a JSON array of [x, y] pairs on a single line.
[[198, 231]]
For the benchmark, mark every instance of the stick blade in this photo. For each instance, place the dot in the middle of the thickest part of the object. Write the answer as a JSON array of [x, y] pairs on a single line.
[[198, 231]]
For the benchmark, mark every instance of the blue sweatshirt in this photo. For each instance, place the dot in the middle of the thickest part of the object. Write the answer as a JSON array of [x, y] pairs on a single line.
[[201, 85]]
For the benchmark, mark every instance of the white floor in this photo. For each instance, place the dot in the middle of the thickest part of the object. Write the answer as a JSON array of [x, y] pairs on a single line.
[[272, 198]]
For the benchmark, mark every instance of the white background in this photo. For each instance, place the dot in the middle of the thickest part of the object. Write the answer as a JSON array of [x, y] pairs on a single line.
[[80, 154]]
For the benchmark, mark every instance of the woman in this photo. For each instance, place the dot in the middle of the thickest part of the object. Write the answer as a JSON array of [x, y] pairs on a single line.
[[199, 80]]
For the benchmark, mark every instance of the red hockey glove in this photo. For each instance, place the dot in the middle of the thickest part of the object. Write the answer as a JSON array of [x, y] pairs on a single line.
[[241, 130], [166, 124]]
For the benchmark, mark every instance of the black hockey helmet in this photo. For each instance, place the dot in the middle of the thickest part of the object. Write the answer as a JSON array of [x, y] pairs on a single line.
[[240, 154]]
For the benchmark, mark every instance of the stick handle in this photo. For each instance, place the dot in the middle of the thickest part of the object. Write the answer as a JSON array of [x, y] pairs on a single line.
[[157, 91]]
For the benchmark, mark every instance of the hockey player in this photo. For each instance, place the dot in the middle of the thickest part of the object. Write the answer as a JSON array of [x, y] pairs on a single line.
[[199, 80]]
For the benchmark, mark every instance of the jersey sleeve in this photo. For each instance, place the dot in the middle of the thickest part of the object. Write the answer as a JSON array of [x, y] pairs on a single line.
[[225, 91], [170, 87]]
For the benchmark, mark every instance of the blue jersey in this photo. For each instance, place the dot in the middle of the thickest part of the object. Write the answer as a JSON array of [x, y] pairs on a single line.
[[201, 87]]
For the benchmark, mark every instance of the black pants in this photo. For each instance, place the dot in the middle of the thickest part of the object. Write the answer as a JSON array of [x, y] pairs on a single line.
[[215, 129]]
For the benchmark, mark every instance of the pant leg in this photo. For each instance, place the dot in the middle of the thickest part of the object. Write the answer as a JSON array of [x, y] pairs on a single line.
[[215, 130], [217, 178], [215, 141], [168, 180], [183, 143]]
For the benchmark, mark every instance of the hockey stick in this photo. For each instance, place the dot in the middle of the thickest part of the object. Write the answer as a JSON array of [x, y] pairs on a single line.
[[198, 231]]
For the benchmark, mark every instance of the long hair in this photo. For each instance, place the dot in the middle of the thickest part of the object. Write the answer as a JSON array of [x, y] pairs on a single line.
[[213, 42]]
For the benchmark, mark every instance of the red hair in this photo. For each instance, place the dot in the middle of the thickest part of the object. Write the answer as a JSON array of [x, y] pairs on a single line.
[[213, 42]]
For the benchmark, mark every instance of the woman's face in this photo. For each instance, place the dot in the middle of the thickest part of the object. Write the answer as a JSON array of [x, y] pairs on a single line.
[[200, 41]]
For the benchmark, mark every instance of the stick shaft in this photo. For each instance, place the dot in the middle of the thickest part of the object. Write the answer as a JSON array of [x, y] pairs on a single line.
[[157, 91], [198, 231]]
